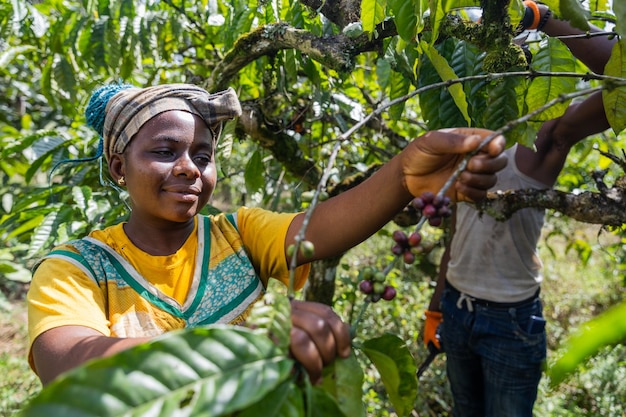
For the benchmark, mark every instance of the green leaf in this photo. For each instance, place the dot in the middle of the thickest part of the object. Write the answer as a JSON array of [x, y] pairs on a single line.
[[554, 56], [447, 73], [343, 380], [272, 317], [383, 72], [42, 234], [399, 86], [407, 18], [286, 400], [372, 13], [437, 14], [501, 104], [323, 404], [607, 329], [615, 98], [397, 369], [572, 11], [254, 173], [212, 371], [437, 105], [619, 8]]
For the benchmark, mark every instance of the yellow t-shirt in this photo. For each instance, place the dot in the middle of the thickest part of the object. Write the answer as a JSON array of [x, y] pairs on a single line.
[[106, 283]]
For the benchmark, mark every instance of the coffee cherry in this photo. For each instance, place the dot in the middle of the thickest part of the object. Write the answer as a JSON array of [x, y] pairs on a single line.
[[429, 210], [379, 287], [399, 237], [389, 293], [408, 257], [415, 239], [428, 197], [435, 221], [379, 276], [397, 249], [367, 273], [366, 287], [433, 207], [418, 203], [307, 248]]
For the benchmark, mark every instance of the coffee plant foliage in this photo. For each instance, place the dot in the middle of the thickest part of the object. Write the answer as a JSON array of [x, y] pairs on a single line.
[[306, 73]]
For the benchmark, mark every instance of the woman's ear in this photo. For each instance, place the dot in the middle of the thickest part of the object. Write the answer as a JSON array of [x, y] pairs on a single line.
[[116, 166]]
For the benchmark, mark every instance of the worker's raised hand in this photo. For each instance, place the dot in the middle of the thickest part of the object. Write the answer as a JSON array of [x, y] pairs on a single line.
[[431, 159], [318, 337]]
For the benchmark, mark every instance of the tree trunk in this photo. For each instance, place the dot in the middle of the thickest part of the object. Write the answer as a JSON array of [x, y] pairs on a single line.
[[320, 286]]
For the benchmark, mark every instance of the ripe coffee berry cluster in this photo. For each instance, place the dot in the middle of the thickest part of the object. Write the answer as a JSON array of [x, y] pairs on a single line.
[[433, 207], [406, 246], [373, 285]]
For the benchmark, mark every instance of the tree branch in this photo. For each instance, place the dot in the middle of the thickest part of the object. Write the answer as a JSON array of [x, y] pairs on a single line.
[[333, 52], [607, 208], [283, 146]]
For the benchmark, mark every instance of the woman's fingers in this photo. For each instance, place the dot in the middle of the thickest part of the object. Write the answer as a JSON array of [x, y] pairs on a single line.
[[318, 336]]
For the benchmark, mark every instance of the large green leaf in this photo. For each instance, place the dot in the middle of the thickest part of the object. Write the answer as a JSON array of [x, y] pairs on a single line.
[[343, 380], [447, 73], [408, 17], [397, 369], [286, 400], [607, 329], [438, 107], [552, 57], [615, 98], [254, 174], [212, 371], [501, 104], [619, 7], [372, 13], [573, 11]]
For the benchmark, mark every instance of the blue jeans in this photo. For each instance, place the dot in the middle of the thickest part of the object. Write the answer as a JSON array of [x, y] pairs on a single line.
[[494, 356]]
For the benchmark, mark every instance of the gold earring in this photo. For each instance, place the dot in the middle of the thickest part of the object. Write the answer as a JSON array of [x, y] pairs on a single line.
[[121, 181]]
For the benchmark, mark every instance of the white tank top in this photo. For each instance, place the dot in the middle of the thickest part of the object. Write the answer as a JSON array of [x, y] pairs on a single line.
[[494, 260]]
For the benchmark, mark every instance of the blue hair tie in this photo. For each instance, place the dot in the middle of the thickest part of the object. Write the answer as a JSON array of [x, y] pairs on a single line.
[[95, 111], [95, 114]]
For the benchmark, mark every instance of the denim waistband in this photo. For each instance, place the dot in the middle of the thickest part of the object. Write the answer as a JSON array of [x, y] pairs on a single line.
[[488, 303]]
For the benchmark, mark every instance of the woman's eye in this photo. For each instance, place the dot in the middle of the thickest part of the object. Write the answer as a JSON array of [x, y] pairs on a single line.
[[203, 159], [163, 152]]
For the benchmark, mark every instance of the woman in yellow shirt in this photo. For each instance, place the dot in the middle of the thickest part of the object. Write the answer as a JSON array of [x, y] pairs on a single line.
[[168, 267]]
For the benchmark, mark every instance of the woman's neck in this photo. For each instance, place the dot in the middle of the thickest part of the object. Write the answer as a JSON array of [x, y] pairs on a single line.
[[159, 240]]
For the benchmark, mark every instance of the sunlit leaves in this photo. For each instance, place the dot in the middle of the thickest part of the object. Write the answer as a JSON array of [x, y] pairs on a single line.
[[372, 13]]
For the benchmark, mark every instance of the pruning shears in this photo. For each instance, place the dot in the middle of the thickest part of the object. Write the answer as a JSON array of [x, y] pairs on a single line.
[[432, 352]]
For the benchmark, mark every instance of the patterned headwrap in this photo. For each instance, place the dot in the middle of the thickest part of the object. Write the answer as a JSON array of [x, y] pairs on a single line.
[[131, 107]]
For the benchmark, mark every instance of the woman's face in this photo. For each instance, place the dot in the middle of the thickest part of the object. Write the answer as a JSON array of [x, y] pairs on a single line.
[[169, 167]]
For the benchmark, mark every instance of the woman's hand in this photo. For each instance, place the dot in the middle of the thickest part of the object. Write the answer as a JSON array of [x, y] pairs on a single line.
[[318, 337], [430, 160]]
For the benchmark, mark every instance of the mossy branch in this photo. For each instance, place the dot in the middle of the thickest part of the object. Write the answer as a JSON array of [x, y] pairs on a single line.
[[606, 207]]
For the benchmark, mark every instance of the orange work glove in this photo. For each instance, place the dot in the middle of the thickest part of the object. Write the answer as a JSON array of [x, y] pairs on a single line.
[[433, 320]]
